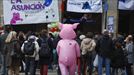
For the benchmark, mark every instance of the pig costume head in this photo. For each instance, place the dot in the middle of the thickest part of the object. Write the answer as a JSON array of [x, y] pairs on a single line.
[[67, 30]]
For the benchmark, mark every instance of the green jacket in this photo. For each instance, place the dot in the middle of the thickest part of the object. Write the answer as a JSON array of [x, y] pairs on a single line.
[[2, 41]]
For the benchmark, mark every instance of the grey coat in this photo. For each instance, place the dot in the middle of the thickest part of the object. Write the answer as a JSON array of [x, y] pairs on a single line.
[[130, 51]]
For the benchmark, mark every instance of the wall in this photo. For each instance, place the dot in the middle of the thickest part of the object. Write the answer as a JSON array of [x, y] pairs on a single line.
[[1, 11], [1, 6], [112, 11]]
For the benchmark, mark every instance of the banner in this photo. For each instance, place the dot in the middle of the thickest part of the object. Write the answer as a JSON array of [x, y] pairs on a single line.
[[110, 24], [84, 6], [126, 4], [30, 11]]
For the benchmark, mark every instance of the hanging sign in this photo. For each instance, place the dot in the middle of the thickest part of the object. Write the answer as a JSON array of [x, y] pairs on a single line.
[[30, 11], [84, 6]]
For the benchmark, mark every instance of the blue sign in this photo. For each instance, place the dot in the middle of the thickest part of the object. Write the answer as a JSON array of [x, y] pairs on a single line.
[[86, 6], [47, 2]]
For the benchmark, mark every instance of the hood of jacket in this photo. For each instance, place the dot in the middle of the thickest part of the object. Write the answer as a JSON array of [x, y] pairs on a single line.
[[87, 41]]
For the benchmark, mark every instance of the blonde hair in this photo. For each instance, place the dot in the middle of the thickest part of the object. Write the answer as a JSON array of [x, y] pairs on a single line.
[[10, 36], [129, 38]]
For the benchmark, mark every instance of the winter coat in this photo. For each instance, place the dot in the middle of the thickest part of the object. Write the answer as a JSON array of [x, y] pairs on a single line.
[[130, 48], [9, 51], [87, 45], [5, 48], [15, 52], [118, 59], [35, 55], [104, 46]]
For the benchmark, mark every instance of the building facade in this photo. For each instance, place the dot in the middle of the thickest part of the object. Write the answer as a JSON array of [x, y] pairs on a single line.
[[123, 20], [1, 6], [1, 12]]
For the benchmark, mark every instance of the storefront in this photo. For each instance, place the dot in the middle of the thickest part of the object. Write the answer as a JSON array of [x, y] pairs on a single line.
[[30, 27], [92, 24], [126, 21], [126, 17]]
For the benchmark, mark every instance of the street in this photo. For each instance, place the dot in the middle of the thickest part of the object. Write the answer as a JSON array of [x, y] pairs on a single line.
[[50, 72]]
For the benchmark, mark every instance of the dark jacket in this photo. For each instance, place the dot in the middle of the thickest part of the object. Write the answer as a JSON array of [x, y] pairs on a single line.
[[2, 42], [47, 60], [105, 46], [55, 41], [118, 58]]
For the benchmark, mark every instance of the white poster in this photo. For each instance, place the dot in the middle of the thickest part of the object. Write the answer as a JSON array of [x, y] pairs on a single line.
[[30, 11], [110, 23], [84, 6], [126, 4]]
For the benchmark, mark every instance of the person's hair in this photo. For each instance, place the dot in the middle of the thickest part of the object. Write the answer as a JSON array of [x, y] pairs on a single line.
[[21, 36], [51, 35], [89, 35], [8, 28], [130, 38], [105, 32], [44, 32], [10, 36], [118, 44]]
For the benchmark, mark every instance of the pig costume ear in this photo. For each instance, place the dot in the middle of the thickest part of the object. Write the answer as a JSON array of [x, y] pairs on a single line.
[[60, 25], [75, 25]]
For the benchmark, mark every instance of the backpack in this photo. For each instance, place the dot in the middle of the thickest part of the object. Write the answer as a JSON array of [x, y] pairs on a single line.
[[44, 49], [29, 47]]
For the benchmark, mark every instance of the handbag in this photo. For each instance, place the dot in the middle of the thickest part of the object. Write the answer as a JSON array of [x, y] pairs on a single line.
[[95, 63]]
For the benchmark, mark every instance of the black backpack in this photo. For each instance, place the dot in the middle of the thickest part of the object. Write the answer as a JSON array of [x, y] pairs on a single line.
[[44, 49], [29, 47]]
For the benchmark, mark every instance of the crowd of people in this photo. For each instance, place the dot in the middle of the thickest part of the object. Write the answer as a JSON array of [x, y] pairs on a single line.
[[98, 51]]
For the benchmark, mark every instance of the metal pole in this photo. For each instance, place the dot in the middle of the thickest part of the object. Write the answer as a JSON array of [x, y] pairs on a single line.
[[104, 15]]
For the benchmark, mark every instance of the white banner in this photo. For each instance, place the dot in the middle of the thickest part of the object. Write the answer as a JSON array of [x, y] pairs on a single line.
[[110, 24], [126, 4], [85, 6], [30, 11]]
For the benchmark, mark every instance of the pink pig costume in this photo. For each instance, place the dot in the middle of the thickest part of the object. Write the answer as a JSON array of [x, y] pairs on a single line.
[[68, 50]]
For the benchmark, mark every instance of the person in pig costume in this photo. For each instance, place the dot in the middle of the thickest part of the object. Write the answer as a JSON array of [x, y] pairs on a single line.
[[68, 50]]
